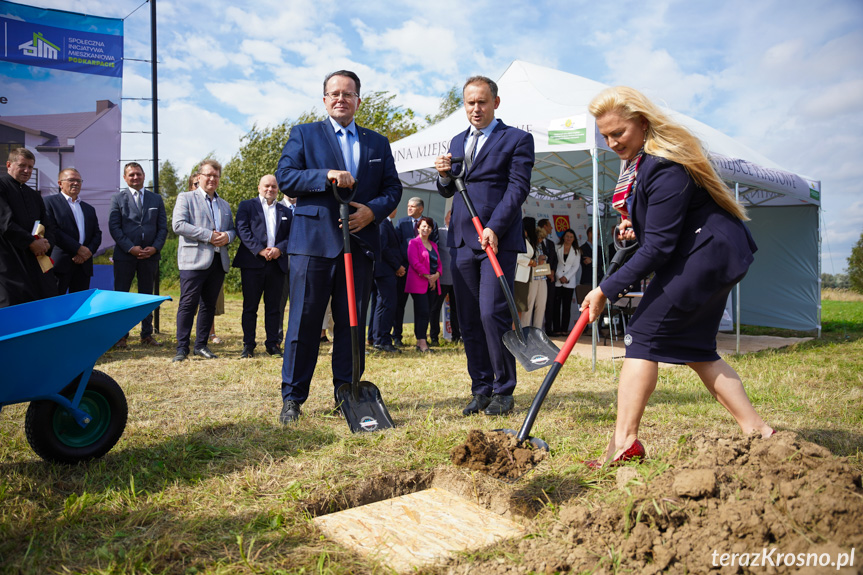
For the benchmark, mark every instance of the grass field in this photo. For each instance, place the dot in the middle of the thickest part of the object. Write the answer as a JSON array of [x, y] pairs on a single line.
[[206, 480]]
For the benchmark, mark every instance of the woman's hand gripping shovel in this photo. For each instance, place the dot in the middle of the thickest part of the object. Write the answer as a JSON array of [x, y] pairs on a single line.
[[623, 253], [529, 345], [360, 401]]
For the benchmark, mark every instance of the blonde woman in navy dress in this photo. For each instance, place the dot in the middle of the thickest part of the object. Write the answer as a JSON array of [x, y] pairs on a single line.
[[691, 235]]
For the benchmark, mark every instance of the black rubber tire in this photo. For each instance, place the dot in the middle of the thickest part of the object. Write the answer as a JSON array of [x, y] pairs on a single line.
[[103, 399]]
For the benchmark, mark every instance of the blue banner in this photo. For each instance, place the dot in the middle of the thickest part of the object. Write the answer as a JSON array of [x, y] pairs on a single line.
[[34, 44]]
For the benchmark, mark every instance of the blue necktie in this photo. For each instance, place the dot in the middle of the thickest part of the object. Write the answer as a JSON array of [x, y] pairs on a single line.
[[348, 150]]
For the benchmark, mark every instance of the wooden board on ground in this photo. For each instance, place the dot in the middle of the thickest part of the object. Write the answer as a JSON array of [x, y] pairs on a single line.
[[418, 529]]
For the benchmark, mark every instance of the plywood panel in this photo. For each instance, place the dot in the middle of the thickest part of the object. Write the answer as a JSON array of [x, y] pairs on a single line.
[[417, 529]]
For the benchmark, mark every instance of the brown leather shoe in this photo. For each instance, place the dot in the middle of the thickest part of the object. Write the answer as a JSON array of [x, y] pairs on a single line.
[[150, 340], [122, 343]]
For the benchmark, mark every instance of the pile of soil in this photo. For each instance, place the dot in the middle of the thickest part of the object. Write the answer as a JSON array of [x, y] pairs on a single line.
[[497, 454], [758, 498]]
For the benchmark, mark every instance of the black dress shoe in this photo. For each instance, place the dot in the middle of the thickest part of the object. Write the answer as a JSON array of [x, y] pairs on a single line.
[[274, 350], [388, 348], [248, 352], [205, 353], [499, 405], [434, 341], [181, 356], [477, 404], [290, 412], [397, 342]]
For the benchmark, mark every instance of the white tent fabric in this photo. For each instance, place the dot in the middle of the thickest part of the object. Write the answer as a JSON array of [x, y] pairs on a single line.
[[573, 161]]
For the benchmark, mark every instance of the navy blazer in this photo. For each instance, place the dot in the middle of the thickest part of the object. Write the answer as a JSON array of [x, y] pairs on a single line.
[[251, 226], [498, 183], [66, 233], [311, 151], [389, 259], [695, 247], [132, 227]]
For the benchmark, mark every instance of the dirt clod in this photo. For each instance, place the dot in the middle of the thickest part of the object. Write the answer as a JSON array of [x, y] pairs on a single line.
[[497, 454]]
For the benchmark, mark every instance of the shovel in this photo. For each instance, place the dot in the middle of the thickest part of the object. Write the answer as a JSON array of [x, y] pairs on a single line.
[[623, 253], [360, 401], [529, 345]]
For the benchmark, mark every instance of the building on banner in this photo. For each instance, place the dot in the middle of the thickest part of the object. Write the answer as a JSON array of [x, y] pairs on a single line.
[[60, 98]]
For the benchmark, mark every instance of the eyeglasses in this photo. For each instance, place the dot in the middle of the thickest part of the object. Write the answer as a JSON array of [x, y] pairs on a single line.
[[213, 176], [73, 181], [342, 95]]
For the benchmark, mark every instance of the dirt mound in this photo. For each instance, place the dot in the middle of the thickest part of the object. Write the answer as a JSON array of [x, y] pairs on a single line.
[[497, 454], [726, 504]]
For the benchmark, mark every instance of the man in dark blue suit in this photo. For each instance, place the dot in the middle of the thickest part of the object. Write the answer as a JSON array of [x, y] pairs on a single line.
[[497, 167], [263, 225], [139, 226], [388, 269], [335, 149], [406, 229], [76, 233]]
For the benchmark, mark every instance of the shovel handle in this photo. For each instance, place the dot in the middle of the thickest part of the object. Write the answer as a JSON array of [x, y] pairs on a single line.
[[576, 332], [344, 213]]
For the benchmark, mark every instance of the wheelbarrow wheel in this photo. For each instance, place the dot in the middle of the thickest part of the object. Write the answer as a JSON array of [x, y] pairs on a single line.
[[55, 435]]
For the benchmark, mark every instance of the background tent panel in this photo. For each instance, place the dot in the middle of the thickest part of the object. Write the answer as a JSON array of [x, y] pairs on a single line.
[[781, 289]]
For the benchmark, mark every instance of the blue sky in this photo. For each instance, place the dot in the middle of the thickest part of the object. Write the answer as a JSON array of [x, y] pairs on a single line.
[[783, 77]]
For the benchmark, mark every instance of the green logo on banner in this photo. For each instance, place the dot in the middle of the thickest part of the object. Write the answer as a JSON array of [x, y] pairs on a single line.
[[814, 194], [577, 136]]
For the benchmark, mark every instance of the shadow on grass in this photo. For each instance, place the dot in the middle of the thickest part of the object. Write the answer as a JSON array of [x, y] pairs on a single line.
[[839, 442], [186, 459]]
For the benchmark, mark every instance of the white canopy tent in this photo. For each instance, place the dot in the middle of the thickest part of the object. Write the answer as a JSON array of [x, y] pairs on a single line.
[[782, 288]]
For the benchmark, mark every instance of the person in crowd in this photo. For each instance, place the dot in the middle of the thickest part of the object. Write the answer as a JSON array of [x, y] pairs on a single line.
[[568, 268], [263, 226], [138, 224], [537, 297], [76, 232], [335, 149], [525, 263], [422, 278], [205, 226], [691, 234], [387, 269], [587, 262], [289, 203], [549, 248], [21, 207], [497, 168], [406, 228], [446, 291]]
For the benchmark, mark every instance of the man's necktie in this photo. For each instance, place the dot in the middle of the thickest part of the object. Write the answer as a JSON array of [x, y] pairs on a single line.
[[137, 196], [348, 150], [470, 150]]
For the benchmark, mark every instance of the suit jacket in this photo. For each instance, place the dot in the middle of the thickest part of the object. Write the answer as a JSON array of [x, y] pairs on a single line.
[[389, 258], [549, 248], [193, 222], [695, 247], [252, 231], [130, 227], [498, 183], [406, 233], [420, 263], [311, 151], [445, 257], [66, 233], [587, 268], [568, 269]]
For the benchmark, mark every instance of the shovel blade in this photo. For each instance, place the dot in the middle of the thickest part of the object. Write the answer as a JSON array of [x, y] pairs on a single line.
[[535, 441], [366, 412], [535, 352]]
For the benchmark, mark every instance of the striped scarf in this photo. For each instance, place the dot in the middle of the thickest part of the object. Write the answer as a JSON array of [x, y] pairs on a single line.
[[623, 189]]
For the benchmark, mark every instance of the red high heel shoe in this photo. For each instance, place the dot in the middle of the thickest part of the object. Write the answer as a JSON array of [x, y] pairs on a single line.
[[635, 451]]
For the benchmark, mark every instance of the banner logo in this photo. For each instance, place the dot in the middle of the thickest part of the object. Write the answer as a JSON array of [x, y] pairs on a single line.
[[561, 224], [39, 47]]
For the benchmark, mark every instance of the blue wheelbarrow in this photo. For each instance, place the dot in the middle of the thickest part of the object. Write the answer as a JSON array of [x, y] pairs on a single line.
[[48, 349]]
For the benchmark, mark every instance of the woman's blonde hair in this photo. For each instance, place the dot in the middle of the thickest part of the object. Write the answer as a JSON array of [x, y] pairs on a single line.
[[667, 139]]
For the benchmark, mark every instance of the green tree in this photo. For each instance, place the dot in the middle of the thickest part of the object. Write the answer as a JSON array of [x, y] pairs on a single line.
[[450, 102], [855, 266]]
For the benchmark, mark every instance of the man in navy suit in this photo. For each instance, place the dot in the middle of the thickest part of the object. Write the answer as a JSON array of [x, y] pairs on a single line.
[[316, 154], [139, 225], [76, 233], [388, 269], [406, 229], [263, 225], [497, 168]]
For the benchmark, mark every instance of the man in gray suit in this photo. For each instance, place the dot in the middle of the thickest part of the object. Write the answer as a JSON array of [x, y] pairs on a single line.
[[205, 227], [139, 226]]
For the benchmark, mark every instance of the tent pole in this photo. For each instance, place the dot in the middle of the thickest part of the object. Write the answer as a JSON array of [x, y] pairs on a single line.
[[737, 287], [594, 332]]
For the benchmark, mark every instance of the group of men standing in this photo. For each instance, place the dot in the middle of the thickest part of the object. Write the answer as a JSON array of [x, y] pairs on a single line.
[[335, 150]]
